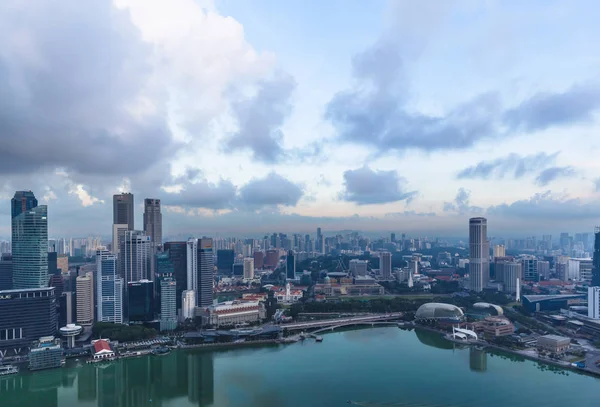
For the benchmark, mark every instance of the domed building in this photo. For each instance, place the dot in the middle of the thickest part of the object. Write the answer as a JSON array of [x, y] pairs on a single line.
[[434, 311], [485, 309]]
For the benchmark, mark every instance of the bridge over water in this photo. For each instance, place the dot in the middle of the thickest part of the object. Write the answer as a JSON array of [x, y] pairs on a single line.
[[342, 321]]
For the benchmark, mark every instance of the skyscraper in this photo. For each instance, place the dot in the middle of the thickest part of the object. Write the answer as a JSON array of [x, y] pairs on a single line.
[[200, 268], [512, 273], [529, 268], [290, 264], [153, 221], [225, 258], [177, 252], [29, 241], [123, 210], [249, 268], [168, 308], [85, 299], [594, 302], [259, 259], [479, 264], [140, 300], [118, 236], [596, 260], [385, 264], [109, 288], [135, 257], [320, 242]]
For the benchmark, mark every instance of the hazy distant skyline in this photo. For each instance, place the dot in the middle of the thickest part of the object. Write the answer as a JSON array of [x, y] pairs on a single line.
[[253, 117]]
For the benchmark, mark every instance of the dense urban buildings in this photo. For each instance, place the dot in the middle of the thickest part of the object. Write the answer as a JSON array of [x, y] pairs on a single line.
[[249, 268], [290, 264], [153, 221], [385, 264], [479, 253], [123, 210], [177, 252], [29, 241], [135, 257], [225, 260], [140, 300]]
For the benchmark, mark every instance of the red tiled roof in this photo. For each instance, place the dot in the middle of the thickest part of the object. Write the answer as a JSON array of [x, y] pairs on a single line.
[[101, 345]]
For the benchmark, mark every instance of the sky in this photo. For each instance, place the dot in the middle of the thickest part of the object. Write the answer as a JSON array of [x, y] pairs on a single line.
[[247, 117]]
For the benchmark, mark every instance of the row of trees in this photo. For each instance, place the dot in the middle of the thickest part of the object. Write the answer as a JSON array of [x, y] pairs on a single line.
[[122, 333]]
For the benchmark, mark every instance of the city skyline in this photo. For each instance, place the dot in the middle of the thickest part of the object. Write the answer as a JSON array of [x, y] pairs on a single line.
[[391, 132]]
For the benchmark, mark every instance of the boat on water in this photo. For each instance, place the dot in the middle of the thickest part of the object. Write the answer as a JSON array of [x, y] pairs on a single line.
[[8, 370], [319, 339]]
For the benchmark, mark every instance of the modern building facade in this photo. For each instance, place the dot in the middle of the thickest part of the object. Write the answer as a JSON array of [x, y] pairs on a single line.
[[118, 236], [25, 316], [512, 275], [85, 299], [123, 210], [109, 288], [200, 269], [153, 221], [259, 259], [594, 302], [499, 250], [359, 267], [596, 258], [140, 299], [530, 269], [188, 304], [272, 258], [135, 257], [290, 264], [29, 242], [479, 253], [249, 268], [385, 264], [225, 260], [6, 272], [168, 305], [177, 252]]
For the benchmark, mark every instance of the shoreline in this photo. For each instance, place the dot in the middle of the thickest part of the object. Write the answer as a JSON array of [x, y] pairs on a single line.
[[584, 371]]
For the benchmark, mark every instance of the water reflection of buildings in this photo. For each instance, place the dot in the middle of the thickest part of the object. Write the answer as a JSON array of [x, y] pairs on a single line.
[[125, 383], [477, 359]]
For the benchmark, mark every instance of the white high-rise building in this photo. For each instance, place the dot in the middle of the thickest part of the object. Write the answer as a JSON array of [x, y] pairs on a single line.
[[479, 254], [512, 273], [594, 302], [385, 264], [499, 251], [118, 237], [85, 299], [249, 268], [358, 267], [135, 257], [109, 288], [188, 304], [168, 304]]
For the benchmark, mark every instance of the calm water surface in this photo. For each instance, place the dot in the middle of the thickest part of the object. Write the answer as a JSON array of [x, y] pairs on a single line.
[[373, 367]]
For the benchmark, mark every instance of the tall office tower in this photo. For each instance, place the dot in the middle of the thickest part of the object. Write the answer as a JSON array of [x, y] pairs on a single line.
[[320, 242], [479, 253], [358, 267], [225, 258], [177, 252], [188, 304], [140, 300], [52, 265], [385, 264], [290, 265], [25, 316], [118, 236], [200, 269], [512, 275], [393, 238], [249, 268], [562, 270], [594, 302], [565, 243], [259, 259], [272, 258], [499, 251], [123, 210], [546, 242], [530, 269], [109, 286], [29, 241], [168, 304], [67, 304], [596, 258], [153, 221], [6, 273], [135, 257], [85, 299]]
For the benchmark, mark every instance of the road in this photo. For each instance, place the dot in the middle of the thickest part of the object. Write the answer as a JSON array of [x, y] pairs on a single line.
[[341, 321]]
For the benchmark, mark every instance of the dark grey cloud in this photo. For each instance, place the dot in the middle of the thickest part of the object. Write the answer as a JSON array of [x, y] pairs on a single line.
[[545, 109], [548, 206], [552, 173], [365, 186], [461, 203], [270, 191], [70, 88], [260, 117], [513, 165]]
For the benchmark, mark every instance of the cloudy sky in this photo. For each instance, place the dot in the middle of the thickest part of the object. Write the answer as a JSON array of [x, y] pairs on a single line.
[[266, 115]]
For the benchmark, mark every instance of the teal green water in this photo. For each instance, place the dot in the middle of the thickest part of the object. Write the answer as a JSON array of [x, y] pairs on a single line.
[[374, 367]]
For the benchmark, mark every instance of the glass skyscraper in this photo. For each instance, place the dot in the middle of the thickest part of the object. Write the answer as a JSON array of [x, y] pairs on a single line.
[[109, 287], [29, 241]]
